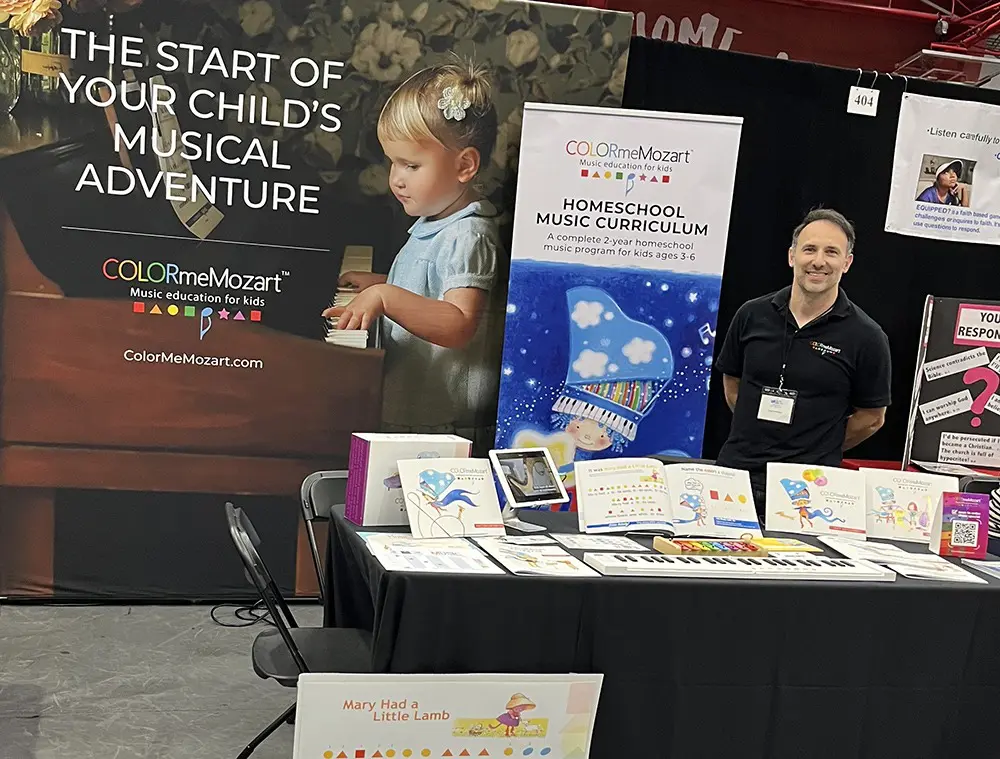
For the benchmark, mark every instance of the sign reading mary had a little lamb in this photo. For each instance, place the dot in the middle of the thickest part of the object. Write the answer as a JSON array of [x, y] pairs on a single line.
[[419, 716]]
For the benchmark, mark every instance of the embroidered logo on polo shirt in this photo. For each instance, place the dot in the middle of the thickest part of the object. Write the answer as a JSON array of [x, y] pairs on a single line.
[[826, 350]]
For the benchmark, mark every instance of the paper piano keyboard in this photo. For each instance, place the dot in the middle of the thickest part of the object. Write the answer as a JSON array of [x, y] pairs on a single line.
[[738, 567], [356, 258]]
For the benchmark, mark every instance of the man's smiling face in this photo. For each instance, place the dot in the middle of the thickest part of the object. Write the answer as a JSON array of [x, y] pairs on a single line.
[[820, 257]]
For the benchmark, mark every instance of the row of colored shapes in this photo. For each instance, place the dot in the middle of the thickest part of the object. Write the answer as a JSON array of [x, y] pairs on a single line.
[[407, 753], [620, 175], [138, 307]]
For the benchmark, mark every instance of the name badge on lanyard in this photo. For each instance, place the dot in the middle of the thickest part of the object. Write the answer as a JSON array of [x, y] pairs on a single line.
[[776, 405]]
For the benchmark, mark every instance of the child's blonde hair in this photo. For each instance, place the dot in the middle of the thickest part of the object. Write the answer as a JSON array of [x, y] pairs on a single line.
[[414, 113]]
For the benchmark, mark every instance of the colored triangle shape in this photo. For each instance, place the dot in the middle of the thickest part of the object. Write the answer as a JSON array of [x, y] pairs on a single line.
[[155, 309], [595, 175], [729, 498], [484, 752], [447, 752], [239, 317], [653, 179], [341, 755], [465, 752], [377, 754]]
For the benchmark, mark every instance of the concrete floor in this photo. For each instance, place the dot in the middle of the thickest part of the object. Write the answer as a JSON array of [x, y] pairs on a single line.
[[139, 682]]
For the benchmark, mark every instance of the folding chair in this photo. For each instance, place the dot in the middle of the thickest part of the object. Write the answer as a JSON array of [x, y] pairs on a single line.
[[320, 492], [285, 652]]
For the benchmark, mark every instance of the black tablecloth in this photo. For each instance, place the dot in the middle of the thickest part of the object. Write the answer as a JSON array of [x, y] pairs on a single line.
[[702, 668]]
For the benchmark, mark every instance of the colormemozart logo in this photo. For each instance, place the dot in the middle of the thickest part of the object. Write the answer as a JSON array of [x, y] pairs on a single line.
[[161, 289], [609, 160]]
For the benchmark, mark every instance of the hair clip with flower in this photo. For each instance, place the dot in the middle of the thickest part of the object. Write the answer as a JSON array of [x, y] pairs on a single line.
[[453, 104]]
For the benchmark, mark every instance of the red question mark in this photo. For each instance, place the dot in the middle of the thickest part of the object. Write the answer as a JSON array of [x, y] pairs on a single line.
[[987, 375]]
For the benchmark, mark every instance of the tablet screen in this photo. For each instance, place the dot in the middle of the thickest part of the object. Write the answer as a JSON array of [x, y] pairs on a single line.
[[529, 477]]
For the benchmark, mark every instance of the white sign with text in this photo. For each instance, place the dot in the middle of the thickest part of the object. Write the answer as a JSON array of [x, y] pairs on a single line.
[[945, 174], [345, 716]]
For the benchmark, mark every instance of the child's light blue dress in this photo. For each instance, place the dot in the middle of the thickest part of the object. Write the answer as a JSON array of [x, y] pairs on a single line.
[[426, 386]]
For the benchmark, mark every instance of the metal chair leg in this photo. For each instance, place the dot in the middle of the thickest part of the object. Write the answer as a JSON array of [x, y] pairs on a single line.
[[266, 732]]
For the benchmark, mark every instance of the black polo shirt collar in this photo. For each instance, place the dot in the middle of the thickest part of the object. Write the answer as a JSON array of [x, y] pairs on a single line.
[[842, 307]]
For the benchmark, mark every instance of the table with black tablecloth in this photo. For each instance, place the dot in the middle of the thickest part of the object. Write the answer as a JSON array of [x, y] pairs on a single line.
[[705, 668]]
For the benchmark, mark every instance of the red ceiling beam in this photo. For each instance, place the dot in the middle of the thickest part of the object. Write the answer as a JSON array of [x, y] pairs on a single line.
[[879, 10]]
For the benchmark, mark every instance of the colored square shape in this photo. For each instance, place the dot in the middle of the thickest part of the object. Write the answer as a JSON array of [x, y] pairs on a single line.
[[189, 310], [584, 173], [666, 179], [138, 308], [255, 316]]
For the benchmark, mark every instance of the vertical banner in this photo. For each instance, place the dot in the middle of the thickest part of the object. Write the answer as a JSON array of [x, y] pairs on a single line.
[[225, 180], [619, 242], [946, 171], [955, 411]]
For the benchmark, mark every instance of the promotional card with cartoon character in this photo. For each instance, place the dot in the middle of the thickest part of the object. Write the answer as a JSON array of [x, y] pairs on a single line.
[[420, 716]]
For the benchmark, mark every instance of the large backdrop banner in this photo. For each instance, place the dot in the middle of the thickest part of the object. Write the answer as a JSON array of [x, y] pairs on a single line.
[[946, 171], [248, 166], [619, 242]]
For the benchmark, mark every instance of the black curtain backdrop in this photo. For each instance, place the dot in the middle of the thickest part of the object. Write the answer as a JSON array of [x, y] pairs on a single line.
[[801, 149]]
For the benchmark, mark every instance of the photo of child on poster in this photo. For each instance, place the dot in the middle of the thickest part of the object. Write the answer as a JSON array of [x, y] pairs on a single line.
[[441, 334], [242, 179], [945, 181]]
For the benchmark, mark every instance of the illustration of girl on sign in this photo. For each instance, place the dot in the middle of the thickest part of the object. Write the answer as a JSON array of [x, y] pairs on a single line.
[[511, 718]]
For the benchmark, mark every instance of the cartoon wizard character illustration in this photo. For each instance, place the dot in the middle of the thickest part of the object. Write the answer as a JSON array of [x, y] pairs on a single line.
[[693, 499], [434, 488], [617, 369], [511, 718], [798, 493]]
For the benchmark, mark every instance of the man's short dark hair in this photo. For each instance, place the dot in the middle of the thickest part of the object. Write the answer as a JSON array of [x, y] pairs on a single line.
[[827, 214]]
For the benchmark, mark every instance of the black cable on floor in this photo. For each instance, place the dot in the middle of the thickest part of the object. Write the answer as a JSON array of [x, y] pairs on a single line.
[[247, 615]]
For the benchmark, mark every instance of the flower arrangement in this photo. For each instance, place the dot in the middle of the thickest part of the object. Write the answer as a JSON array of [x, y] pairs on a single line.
[[32, 18], [533, 50]]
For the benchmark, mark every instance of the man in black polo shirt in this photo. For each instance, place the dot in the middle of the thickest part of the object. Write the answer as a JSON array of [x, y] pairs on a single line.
[[805, 371]]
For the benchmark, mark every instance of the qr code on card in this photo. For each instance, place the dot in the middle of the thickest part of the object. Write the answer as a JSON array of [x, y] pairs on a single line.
[[964, 533]]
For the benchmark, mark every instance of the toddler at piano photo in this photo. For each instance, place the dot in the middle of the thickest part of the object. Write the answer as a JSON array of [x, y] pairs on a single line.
[[441, 329]]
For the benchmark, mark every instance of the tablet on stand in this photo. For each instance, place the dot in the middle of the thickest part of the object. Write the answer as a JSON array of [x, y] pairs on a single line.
[[528, 477]]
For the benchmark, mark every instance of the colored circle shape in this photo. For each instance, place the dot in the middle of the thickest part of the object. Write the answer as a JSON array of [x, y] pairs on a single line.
[[425, 752], [172, 310], [327, 755], [390, 753], [528, 750], [742, 499], [407, 752], [545, 751], [508, 751]]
